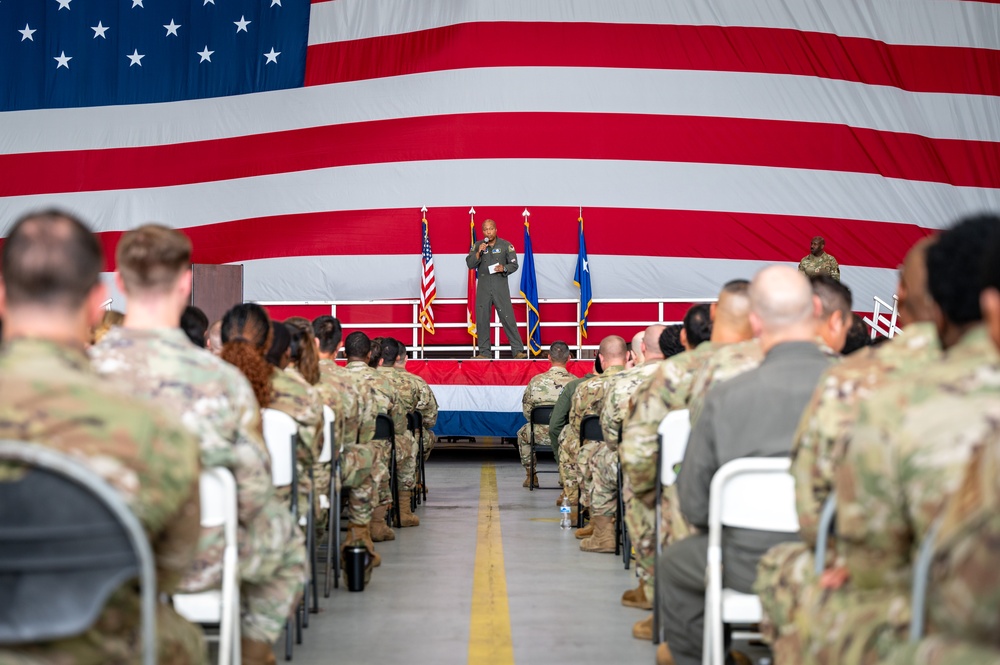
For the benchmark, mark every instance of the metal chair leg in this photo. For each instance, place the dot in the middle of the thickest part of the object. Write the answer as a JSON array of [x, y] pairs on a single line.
[[288, 639]]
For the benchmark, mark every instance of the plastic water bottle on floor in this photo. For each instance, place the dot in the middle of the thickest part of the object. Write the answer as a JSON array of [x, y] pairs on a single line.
[[564, 511]]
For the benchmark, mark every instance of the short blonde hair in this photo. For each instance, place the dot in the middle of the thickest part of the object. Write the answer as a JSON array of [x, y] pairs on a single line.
[[151, 257]]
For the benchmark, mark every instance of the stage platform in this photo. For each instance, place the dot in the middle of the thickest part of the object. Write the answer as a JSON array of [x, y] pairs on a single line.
[[482, 398]]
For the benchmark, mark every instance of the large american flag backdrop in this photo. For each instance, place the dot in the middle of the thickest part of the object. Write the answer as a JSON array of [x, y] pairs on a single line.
[[702, 138]]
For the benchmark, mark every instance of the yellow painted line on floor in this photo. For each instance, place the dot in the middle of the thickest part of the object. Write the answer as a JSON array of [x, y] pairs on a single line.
[[489, 629]]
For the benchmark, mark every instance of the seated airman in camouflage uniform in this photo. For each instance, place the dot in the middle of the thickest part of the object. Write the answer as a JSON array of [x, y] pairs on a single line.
[[818, 262], [667, 390], [358, 349], [152, 358], [575, 455], [822, 439], [49, 395], [406, 447], [912, 442], [962, 599], [427, 404], [542, 390]]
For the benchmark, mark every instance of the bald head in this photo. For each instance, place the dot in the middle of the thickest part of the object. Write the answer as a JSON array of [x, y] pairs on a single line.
[[731, 313], [651, 342], [782, 307], [613, 351], [637, 347], [915, 302]]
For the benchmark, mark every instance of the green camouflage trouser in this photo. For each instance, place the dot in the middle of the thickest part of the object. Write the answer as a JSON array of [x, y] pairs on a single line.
[[604, 496], [356, 473], [584, 472], [272, 570], [524, 441], [783, 576], [406, 461], [380, 470]]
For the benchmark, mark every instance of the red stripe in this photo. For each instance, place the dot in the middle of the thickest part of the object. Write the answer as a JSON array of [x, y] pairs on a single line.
[[487, 372], [674, 233], [694, 139], [732, 49]]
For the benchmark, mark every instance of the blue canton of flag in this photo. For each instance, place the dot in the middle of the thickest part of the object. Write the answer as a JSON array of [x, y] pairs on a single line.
[[582, 279], [529, 291], [69, 53]]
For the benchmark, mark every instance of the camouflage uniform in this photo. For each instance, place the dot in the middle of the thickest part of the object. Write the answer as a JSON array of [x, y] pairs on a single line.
[[617, 399], [385, 403], [406, 446], [543, 389], [216, 403], [49, 395], [574, 454], [910, 447], [354, 426], [728, 362], [820, 444], [667, 390], [962, 593], [560, 416], [292, 394], [427, 406], [824, 264]]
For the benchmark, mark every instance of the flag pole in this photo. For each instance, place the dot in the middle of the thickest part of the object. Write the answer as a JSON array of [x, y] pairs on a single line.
[[527, 306], [472, 228]]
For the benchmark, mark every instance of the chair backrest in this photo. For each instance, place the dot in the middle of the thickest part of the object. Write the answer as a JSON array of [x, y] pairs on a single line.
[[921, 580], [414, 421], [383, 428], [541, 415], [67, 542], [753, 493], [218, 496], [674, 431], [590, 429], [326, 454], [827, 528], [280, 431]]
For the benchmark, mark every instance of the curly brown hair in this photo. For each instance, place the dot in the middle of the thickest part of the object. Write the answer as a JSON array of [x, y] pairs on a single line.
[[305, 355], [246, 336]]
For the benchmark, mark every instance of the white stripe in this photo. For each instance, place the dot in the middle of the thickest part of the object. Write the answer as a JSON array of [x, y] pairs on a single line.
[[492, 399], [388, 277], [929, 22], [526, 182], [542, 89]]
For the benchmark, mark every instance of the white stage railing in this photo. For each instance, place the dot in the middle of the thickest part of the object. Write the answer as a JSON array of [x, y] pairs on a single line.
[[415, 327]]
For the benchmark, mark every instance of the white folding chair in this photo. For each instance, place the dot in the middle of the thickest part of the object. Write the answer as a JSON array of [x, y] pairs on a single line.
[[219, 607], [674, 432], [921, 580], [750, 493], [281, 435]]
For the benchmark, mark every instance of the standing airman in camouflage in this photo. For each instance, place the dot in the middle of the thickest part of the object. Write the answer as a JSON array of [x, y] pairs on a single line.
[[912, 442], [823, 437], [574, 454], [542, 390], [153, 359], [358, 348], [406, 447], [49, 395], [818, 262], [667, 390]]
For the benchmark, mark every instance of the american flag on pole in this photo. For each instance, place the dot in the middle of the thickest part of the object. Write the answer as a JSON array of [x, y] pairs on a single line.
[[292, 136], [428, 287], [470, 291]]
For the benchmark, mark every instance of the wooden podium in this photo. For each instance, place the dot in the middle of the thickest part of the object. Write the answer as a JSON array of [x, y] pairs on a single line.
[[216, 288]]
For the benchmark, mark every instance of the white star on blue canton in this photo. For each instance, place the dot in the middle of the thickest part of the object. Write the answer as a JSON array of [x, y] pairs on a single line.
[[63, 4], [99, 30], [172, 28], [240, 25], [206, 55], [136, 57], [272, 56], [137, 3], [63, 60], [27, 33]]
